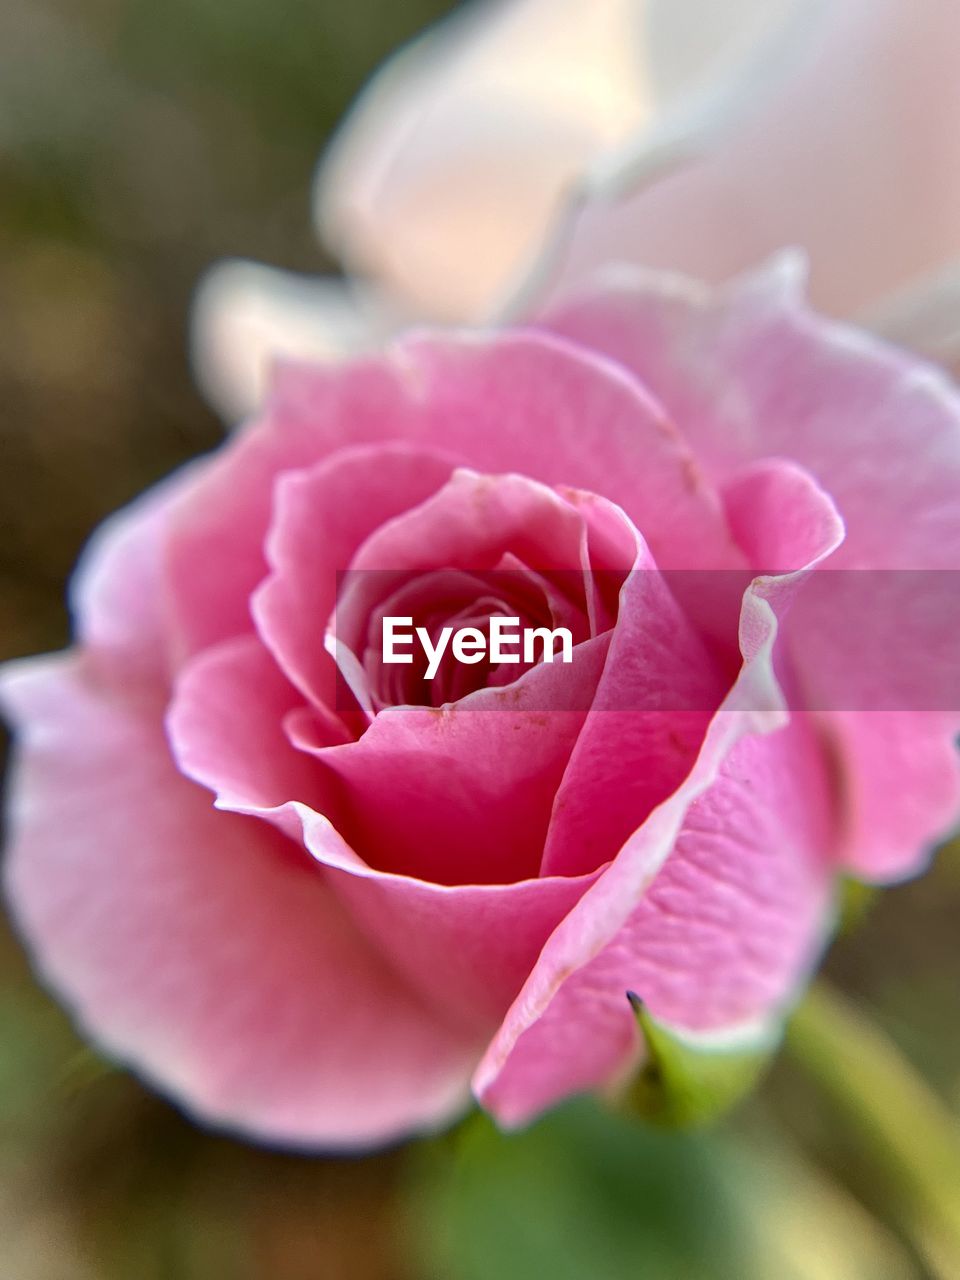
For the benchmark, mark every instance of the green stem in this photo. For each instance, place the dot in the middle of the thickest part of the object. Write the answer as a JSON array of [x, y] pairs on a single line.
[[912, 1135]]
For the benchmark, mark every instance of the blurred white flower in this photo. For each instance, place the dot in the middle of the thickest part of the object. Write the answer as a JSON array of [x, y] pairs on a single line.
[[850, 150], [245, 315], [696, 135]]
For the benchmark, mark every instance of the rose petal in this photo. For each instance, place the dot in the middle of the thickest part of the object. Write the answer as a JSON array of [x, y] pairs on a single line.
[[525, 403], [881, 433], [781, 517], [661, 684], [321, 515], [466, 948], [200, 947], [214, 549], [118, 592], [226, 729], [470, 524], [722, 939], [519, 402], [754, 706], [469, 947], [654, 701], [462, 793]]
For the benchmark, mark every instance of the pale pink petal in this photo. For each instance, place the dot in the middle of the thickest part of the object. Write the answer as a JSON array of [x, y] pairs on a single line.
[[448, 171], [118, 592], [467, 947], [445, 175], [462, 793], [321, 516], [722, 939], [527, 403], [751, 374], [226, 728], [654, 701], [508, 1080], [245, 316], [213, 553], [205, 949], [850, 151], [435, 789], [518, 402]]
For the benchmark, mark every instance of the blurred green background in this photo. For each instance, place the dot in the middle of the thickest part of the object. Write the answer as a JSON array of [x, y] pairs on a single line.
[[140, 141]]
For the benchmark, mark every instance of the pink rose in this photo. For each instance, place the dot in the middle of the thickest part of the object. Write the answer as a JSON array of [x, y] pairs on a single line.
[[322, 916]]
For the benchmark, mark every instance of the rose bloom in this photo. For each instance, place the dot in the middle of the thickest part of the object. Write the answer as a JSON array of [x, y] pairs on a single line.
[[313, 902], [521, 143]]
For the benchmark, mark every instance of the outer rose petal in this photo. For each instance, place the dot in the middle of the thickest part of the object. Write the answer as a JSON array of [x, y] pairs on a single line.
[[880, 432], [201, 947], [226, 722], [523, 402], [466, 947], [751, 373], [850, 152], [782, 782], [519, 402], [118, 592], [661, 685], [445, 175], [725, 934]]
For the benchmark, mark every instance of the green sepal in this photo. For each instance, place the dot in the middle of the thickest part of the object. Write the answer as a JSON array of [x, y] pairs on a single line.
[[689, 1082]]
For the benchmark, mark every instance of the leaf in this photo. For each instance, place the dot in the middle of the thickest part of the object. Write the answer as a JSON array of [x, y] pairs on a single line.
[[686, 1083], [583, 1193]]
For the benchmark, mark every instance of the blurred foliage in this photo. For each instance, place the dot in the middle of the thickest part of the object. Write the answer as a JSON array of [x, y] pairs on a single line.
[[139, 141], [588, 1193]]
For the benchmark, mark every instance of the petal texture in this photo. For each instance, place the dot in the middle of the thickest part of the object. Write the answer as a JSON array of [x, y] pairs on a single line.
[[745, 792], [203, 948], [721, 940], [751, 375]]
